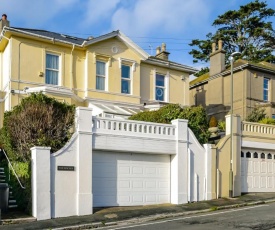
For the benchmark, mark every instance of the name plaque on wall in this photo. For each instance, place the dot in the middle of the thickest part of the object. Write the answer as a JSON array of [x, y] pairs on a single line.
[[65, 168]]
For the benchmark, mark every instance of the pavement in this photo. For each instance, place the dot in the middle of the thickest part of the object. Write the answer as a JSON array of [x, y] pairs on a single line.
[[119, 216]]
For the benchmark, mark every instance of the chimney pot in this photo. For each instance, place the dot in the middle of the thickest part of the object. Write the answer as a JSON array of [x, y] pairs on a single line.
[[163, 47], [220, 44], [157, 50], [213, 47]]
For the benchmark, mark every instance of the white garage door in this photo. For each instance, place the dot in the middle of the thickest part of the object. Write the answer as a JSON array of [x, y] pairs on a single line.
[[125, 179], [257, 171]]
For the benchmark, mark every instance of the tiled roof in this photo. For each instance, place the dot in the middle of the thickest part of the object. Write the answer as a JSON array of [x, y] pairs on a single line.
[[57, 36]]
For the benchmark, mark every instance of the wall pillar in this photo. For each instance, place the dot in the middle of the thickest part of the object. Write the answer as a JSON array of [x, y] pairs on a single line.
[[179, 164], [236, 150], [84, 161], [41, 183], [210, 171]]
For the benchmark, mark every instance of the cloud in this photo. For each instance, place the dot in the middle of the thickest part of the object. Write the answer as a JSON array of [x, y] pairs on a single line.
[[166, 16], [34, 13], [98, 11]]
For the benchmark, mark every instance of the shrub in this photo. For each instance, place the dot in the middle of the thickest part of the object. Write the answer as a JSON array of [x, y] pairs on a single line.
[[37, 121], [196, 116], [268, 121], [221, 125], [257, 114]]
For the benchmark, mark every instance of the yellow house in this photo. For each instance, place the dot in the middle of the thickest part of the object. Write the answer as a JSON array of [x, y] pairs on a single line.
[[253, 85], [109, 73]]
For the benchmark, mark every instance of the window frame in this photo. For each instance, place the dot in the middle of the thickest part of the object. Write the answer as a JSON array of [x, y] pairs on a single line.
[[132, 65], [102, 76], [129, 80], [266, 90], [51, 69], [165, 87]]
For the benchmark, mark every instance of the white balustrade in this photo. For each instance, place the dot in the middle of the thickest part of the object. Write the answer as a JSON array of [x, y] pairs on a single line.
[[107, 125], [258, 128]]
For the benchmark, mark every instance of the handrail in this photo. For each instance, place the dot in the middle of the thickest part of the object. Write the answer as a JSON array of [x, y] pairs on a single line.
[[13, 169]]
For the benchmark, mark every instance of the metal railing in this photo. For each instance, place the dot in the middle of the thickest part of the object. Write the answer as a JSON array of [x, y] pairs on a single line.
[[10, 166]]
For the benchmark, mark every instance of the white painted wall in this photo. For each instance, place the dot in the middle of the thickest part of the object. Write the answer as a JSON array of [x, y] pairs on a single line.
[[71, 192], [197, 169]]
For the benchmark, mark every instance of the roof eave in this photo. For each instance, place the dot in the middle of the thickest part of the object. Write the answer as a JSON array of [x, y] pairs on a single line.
[[170, 65], [38, 36]]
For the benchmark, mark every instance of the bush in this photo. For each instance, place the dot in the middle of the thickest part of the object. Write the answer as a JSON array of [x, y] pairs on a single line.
[[37, 121], [221, 125], [268, 121], [257, 114], [196, 116]]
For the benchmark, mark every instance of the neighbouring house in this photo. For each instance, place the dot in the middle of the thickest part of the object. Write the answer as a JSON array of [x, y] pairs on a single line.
[[253, 84], [109, 73]]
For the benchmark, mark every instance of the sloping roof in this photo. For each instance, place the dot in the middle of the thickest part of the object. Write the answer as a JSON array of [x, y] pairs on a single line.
[[199, 79], [171, 64], [47, 34], [81, 42], [265, 66]]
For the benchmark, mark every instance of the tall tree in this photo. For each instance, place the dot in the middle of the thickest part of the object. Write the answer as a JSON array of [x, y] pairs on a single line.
[[245, 30]]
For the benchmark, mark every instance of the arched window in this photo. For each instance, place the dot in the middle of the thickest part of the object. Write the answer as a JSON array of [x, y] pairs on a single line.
[[242, 154], [255, 155], [262, 156], [269, 156], [248, 155]]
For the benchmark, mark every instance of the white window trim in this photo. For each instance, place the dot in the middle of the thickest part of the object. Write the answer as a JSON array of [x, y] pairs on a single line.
[[106, 75], [108, 63], [127, 62], [268, 89], [132, 64], [60, 82], [166, 85]]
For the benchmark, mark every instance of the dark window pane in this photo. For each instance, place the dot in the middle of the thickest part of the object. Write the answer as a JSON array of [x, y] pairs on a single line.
[[100, 68], [255, 155], [159, 94], [263, 156], [159, 80], [248, 155], [125, 71], [100, 83], [125, 86]]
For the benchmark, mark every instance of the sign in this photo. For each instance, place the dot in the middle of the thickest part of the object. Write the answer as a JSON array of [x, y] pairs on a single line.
[[65, 168]]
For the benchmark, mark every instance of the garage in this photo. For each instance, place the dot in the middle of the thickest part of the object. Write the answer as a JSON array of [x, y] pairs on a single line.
[[257, 171], [128, 179]]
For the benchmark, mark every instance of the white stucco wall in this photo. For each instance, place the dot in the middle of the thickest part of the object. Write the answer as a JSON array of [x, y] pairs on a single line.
[[71, 190]]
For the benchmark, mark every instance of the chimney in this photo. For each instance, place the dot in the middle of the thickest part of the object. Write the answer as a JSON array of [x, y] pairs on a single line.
[[162, 53], [217, 59], [4, 22]]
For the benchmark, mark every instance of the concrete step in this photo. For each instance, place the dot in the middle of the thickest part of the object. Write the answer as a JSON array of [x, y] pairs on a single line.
[[13, 206], [12, 201]]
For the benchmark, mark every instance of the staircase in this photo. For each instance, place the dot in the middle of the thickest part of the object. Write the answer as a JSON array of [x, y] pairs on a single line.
[[12, 200]]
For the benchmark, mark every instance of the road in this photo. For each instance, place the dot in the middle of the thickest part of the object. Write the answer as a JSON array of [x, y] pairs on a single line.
[[261, 217]]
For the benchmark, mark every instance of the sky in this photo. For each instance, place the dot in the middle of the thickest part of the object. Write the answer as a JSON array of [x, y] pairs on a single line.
[[147, 22]]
